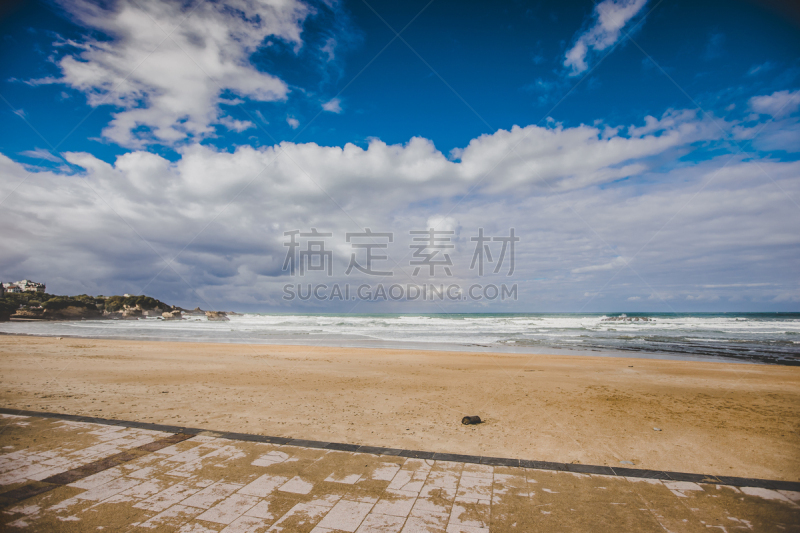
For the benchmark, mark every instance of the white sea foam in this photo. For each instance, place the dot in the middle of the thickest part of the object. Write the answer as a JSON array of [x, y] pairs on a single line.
[[752, 336]]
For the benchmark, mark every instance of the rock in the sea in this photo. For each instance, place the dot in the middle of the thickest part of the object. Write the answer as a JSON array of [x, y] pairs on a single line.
[[217, 316], [625, 318], [171, 315], [469, 420]]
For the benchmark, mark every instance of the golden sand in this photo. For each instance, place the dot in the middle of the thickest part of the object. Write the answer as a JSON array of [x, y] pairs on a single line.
[[715, 418]]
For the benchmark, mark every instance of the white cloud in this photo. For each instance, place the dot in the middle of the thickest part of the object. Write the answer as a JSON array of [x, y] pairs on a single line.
[[41, 153], [443, 223], [293, 122], [778, 104], [610, 16], [334, 105], [680, 228], [236, 125], [159, 61], [617, 263]]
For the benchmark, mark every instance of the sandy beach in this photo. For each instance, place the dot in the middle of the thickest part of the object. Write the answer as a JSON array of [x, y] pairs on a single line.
[[716, 418]]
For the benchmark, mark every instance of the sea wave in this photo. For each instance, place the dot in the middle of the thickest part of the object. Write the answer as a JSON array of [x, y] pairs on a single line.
[[752, 337]]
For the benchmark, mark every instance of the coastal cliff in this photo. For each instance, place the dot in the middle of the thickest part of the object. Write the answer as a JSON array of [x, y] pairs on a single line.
[[43, 306]]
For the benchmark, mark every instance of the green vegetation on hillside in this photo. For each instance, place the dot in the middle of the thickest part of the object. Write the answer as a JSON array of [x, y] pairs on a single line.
[[13, 301], [117, 303]]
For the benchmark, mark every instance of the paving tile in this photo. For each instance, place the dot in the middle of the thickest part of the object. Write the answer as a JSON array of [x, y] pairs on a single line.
[[172, 517], [346, 479], [346, 515], [418, 464], [168, 497], [435, 500], [385, 471], [196, 527], [680, 488], [425, 522], [95, 480], [247, 524], [408, 480], [507, 485], [229, 509], [443, 479], [109, 489], [381, 523], [479, 471], [395, 503], [466, 529], [470, 512], [475, 487], [211, 495], [138, 492], [301, 517], [263, 486], [271, 458], [261, 510], [297, 486]]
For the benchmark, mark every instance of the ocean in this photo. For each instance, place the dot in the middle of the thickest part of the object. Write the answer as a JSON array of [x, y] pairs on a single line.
[[752, 337]]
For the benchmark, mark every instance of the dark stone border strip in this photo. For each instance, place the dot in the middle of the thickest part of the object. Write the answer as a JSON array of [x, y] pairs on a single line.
[[35, 488], [377, 450]]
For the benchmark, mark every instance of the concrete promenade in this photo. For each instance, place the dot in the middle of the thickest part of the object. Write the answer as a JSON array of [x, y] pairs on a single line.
[[70, 475]]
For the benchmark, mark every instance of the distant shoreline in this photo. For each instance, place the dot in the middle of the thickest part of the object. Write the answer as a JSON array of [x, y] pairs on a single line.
[[771, 339], [411, 347]]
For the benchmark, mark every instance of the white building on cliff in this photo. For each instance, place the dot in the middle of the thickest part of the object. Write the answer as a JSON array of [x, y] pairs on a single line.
[[25, 285]]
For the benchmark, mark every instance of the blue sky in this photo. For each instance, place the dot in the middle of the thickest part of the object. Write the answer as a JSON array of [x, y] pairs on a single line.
[[653, 145]]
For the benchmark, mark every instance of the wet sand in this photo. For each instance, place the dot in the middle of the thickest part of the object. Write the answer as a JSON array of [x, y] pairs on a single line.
[[715, 418]]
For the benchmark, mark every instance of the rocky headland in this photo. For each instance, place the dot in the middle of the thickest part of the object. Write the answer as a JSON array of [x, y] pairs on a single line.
[[42, 306]]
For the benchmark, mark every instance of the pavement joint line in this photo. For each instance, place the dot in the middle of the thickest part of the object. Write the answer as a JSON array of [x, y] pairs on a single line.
[[185, 433]]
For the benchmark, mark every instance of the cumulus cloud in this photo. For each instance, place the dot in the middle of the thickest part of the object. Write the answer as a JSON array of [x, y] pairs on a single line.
[[609, 18], [293, 122], [223, 214], [334, 105], [165, 64], [778, 104]]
